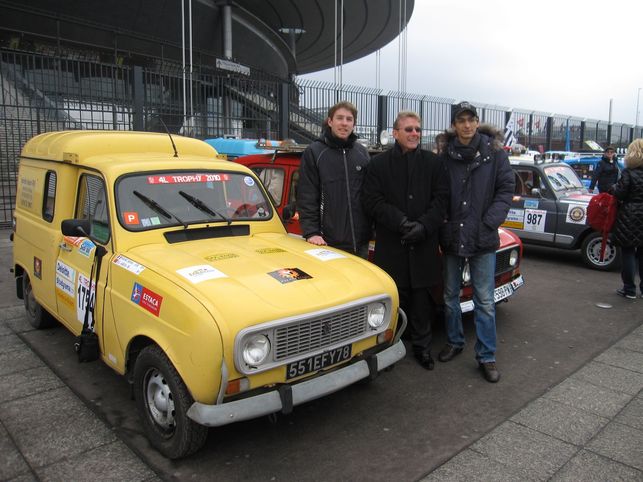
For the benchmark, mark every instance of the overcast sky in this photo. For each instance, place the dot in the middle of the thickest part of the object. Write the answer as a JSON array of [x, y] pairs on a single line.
[[568, 57]]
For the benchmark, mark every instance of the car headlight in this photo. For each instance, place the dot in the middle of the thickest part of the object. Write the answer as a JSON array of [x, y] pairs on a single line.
[[466, 273], [376, 313], [513, 257], [256, 349]]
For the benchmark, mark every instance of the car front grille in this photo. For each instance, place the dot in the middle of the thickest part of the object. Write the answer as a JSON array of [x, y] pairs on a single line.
[[502, 260], [313, 334]]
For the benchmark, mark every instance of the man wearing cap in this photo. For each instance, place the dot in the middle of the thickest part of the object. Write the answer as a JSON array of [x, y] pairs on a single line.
[[606, 171], [482, 186]]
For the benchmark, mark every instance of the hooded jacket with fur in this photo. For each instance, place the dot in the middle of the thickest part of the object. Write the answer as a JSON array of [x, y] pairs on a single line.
[[628, 228], [481, 193]]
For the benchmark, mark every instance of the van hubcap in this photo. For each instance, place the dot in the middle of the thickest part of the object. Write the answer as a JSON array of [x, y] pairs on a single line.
[[160, 402]]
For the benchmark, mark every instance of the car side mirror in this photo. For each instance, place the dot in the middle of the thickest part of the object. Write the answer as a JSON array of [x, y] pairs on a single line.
[[536, 192], [76, 227]]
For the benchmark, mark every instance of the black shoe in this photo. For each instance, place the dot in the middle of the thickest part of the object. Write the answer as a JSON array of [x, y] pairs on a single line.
[[629, 296], [424, 358], [448, 353], [489, 371]]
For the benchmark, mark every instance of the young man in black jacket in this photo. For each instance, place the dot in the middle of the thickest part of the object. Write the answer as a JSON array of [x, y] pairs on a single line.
[[482, 185], [406, 192], [330, 183]]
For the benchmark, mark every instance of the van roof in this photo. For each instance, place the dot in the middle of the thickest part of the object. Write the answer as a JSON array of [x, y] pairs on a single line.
[[77, 147]]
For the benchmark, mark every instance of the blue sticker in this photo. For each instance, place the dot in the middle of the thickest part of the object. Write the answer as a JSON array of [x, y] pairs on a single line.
[[137, 292], [249, 181], [531, 203], [86, 247]]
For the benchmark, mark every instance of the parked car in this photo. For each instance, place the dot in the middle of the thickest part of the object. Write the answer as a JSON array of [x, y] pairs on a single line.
[[174, 268], [549, 208], [279, 172]]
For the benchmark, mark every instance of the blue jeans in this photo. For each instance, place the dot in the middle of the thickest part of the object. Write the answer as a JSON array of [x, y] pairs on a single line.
[[632, 261], [483, 267]]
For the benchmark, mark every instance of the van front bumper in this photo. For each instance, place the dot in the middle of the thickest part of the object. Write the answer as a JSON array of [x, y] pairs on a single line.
[[288, 396]]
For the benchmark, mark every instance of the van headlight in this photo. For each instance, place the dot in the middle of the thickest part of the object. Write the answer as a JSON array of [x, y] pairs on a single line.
[[513, 257], [376, 315], [256, 349], [466, 273]]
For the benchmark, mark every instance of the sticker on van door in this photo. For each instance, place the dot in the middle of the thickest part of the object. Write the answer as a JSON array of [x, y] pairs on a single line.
[[81, 299]]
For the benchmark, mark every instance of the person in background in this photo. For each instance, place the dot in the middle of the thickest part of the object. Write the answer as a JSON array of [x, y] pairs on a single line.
[[482, 186], [628, 227], [331, 176], [606, 171], [406, 193]]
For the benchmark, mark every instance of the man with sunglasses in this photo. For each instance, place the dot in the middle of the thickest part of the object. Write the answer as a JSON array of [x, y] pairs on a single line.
[[406, 193], [482, 186], [330, 182]]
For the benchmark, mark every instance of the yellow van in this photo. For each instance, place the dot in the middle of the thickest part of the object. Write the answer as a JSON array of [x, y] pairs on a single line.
[[174, 268]]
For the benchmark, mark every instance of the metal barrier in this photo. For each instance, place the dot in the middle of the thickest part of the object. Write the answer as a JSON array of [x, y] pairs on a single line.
[[50, 91]]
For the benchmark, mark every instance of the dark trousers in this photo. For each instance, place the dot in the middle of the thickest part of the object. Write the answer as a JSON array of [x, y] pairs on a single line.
[[632, 262], [419, 306]]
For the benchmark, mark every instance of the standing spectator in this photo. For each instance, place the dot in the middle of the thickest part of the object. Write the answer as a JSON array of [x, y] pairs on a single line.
[[628, 228], [406, 193], [482, 186], [331, 176], [606, 172]]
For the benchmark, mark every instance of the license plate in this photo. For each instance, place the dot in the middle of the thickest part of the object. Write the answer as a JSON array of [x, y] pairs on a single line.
[[517, 283], [502, 292], [318, 362]]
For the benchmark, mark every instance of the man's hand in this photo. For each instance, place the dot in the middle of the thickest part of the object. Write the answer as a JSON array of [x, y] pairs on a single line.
[[317, 240], [415, 234]]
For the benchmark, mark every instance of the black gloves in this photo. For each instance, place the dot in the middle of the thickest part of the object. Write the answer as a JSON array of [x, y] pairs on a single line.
[[413, 232]]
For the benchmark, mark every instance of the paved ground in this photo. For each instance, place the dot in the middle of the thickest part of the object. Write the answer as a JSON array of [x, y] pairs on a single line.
[[569, 407]]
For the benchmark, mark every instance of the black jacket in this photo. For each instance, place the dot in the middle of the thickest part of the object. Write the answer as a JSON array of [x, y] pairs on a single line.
[[628, 228], [481, 193], [412, 185], [328, 194], [605, 174]]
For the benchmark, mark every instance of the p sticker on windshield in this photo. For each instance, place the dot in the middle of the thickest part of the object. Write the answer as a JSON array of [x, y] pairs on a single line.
[[130, 217], [288, 275], [249, 181]]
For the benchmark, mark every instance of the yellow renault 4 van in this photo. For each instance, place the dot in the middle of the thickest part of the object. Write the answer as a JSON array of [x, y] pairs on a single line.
[[174, 268]]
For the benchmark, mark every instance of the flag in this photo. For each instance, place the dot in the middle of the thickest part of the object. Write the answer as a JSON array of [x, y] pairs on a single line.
[[568, 143], [510, 129]]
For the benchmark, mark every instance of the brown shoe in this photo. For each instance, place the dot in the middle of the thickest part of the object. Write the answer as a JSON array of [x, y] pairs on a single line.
[[449, 352], [490, 371]]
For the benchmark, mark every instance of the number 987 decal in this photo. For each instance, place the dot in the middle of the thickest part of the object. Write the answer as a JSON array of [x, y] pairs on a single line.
[[535, 220]]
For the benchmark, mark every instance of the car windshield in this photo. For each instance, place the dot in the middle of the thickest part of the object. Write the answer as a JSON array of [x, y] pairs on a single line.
[[159, 199], [562, 178]]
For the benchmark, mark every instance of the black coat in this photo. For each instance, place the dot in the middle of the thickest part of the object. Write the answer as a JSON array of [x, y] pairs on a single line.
[[328, 193], [628, 228], [414, 186], [481, 193], [605, 174]]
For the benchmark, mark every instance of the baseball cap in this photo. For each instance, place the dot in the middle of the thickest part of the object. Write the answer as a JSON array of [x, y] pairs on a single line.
[[457, 109], [609, 148]]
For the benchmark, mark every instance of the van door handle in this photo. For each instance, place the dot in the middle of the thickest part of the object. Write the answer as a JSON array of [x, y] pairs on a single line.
[[64, 247]]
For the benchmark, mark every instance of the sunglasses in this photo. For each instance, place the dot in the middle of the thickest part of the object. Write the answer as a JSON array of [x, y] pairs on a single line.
[[411, 129]]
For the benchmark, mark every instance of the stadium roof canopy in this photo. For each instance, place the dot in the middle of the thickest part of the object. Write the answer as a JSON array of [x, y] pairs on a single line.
[[260, 29]]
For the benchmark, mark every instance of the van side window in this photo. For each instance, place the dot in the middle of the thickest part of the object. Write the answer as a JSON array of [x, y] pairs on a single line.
[[92, 204], [49, 199]]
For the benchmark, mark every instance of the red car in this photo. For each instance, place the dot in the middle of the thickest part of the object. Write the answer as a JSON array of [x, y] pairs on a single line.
[[279, 172]]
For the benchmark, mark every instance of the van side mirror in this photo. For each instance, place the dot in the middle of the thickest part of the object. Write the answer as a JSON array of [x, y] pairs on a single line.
[[76, 227], [536, 192]]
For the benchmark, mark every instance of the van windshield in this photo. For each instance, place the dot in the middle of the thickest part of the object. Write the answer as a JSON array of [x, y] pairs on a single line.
[[153, 200]]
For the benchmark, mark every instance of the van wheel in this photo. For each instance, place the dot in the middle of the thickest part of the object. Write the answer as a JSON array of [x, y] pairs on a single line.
[[37, 315], [163, 401], [591, 251]]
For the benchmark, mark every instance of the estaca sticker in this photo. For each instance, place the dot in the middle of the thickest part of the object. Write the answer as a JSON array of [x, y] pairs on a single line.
[[288, 275], [146, 299]]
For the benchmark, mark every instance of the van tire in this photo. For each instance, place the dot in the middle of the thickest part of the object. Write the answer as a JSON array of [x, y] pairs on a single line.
[[590, 251], [163, 400], [36, 314]]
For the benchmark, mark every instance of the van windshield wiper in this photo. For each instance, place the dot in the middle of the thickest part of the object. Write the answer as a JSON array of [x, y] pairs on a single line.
[[197, 203], [158, 208]]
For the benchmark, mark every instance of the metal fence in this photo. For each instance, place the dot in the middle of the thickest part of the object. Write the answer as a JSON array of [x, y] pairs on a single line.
[[44, 92]]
